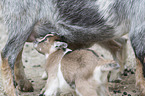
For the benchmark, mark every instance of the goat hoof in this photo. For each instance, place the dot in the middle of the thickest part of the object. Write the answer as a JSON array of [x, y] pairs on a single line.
[[25, 86]]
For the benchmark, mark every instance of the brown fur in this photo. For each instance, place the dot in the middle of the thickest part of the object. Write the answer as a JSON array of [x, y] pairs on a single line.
[[21, 80], [85, 87], [140, 80], [73, 46], [7, 78], [45, 46], [75, 62], [77, 67], [118, 49], [20, 77]]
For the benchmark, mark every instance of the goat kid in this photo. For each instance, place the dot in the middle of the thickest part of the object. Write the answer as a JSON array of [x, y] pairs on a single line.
[[81, 71]]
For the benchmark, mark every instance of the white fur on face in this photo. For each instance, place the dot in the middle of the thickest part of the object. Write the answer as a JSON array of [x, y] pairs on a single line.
[[60, 44], [57, 45]]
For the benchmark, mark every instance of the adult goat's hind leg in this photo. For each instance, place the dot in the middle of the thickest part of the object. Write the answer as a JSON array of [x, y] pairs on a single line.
[[7, 78], [20, 77], [137, 37], [118, 49], [9, 56]]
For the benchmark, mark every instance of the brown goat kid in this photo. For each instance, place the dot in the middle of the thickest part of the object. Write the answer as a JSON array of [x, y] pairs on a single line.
[[81, 71]]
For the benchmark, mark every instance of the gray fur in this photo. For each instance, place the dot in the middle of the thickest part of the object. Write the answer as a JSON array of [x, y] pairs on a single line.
[[77, 21]]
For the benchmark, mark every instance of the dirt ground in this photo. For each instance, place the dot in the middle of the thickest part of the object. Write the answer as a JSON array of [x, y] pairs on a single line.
[[34, 67]]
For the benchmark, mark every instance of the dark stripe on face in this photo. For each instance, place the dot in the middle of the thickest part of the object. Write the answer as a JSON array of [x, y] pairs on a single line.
[[93, 52]]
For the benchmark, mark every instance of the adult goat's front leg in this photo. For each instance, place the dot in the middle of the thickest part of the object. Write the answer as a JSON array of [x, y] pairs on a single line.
[[20, 77], [7, 78], [11, 55]]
